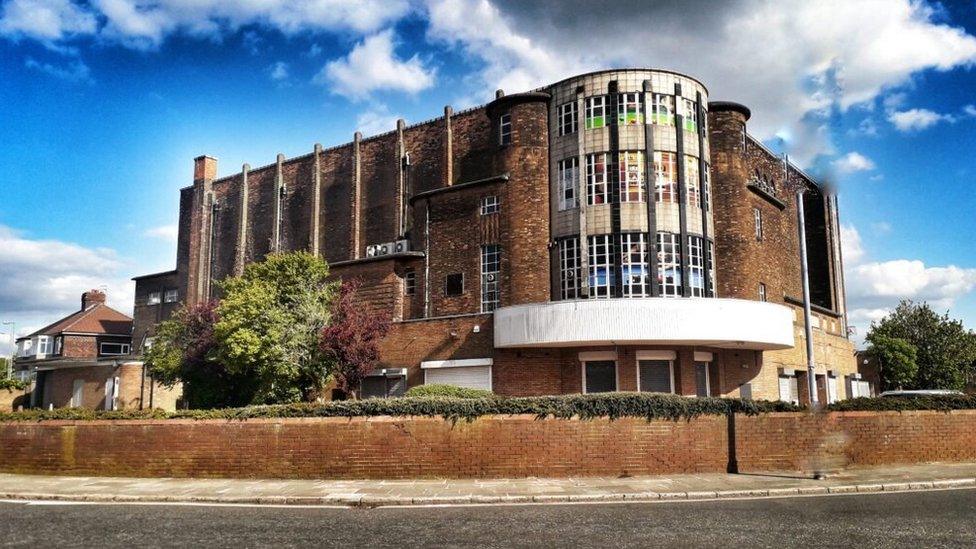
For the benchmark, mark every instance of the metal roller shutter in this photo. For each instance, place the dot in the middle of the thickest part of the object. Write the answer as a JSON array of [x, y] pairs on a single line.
[[474, 377]]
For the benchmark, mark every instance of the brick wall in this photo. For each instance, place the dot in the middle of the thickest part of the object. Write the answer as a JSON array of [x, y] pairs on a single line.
[[497, 446]]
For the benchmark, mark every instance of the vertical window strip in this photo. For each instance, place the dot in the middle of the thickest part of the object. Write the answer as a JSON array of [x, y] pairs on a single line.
[[596, 179], [505, 129], [596, 112], [662, 110], [632, 186], [696, 266], [691, 115], [567, 173], [601, 268], [669, 264], [665, 177], [711, 269], [566, 114], [569, 268], [691, 181], [631, 109], [762, 292], [706, 189], [757, 214], [633, 250], [490, 263]]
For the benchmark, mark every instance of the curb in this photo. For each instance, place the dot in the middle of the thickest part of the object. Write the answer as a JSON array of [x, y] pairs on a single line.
[[391, 501]]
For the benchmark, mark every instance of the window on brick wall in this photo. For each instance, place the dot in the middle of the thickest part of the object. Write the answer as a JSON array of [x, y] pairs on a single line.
[[669, 264], [113, 349], [696, 266], [569, 268], [171, 296], [596, 179], [454, 284], [631, 109], [155, 298], [490, 266], [631, 166], [662, 109], [633, 264], [757, 215], [665, 177], [596, 112], [692, 185], [505, 129], [567, 173], [409, 283], [601, 267], [762, 292], [489, 205], [566, 114]]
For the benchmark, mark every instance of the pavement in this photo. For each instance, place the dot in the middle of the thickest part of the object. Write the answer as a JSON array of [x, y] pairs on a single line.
[[377, 493]]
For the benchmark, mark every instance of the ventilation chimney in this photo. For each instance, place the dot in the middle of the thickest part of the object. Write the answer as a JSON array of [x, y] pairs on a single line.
[[91, 297], [204, 167]]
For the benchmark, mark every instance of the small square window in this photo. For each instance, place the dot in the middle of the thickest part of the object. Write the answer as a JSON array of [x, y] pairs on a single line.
[[171, 296], [489, 205], [454, 284], [155, 298], [410, 283], [505, 129]]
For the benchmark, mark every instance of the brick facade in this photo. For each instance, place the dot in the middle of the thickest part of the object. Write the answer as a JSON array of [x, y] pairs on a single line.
[[493, 446], [426, 183]]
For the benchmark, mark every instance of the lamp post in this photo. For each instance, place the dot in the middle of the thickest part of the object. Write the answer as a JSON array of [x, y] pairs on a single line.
[[811, 367], [13, 341]]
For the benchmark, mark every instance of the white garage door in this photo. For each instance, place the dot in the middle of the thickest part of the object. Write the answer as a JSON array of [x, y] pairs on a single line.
[[474, 377]]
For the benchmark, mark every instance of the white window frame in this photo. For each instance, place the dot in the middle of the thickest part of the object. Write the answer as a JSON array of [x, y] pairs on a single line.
[[155, 298], [569, 268], [669, 356], [691, 182], [602, 260], [595, 172], [599, 356], [696, 265], [627, 101], [665, 179], [171, 295], [690, 112], [491, 256], [706, 189], [489, 204], [630, 166], [762, 292], [410, 282], [567, 174], [673, 242], [757, 217], [593, 105], [45, 344], [567, 118], [662, 109], [124, 347], [630, 260], [505, 129]]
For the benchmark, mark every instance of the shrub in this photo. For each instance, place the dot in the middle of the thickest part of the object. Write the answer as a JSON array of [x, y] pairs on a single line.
[[435, 390], [905, 403], [610, 405], [13, 384]]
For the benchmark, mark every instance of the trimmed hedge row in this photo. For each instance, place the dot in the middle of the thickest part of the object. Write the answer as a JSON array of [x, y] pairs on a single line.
[[944, 403], [437, 389], [611, 405]]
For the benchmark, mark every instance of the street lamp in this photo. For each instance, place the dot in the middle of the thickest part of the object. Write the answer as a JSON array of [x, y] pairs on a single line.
[[13, 340], [811, 368]]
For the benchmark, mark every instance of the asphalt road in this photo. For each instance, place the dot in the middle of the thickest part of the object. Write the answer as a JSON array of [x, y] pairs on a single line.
[[913, 519]]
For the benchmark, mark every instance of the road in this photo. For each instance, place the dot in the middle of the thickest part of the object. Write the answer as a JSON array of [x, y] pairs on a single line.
[[914, 519]]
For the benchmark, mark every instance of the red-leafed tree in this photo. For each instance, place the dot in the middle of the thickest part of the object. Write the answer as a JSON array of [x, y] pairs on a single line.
[[351, 339]]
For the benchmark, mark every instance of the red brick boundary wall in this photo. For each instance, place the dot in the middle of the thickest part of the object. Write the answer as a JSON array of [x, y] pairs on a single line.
[[498, 446]]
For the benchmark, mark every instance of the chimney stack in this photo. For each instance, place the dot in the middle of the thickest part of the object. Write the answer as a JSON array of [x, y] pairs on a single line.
[[204, 167], [91, 297]]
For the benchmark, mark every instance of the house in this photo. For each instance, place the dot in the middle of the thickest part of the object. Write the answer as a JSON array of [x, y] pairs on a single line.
[[84, 360]]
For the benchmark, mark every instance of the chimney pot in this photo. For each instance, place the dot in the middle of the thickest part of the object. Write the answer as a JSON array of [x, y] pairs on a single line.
[[91, 297]]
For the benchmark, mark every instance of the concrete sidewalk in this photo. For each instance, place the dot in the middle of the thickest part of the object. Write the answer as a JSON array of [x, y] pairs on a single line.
[[369, 493]]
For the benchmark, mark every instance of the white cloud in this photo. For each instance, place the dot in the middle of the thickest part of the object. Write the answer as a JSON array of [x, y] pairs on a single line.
[[376, 120], [372, 65], [43, 279], [917, 119], [168, 233], [865, 127], [793, 61], [278, 71], [48, 21], [970, 110], [75, 71], [853, 162], [874, 288]]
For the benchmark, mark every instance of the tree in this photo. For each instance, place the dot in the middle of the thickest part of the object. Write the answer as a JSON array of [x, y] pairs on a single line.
[[351, 340], [945, 350], [269, 321], [898, 360]]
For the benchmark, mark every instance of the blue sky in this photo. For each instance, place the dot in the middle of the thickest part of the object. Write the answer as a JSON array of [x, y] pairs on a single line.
[[104, 103]]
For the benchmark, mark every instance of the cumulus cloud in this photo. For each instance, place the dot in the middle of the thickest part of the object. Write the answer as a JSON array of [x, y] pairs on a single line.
[[168, 233], [874, 288], [44, 279], [853, 162], [375, 120], [48, 21], [917, 119], [373, 65]]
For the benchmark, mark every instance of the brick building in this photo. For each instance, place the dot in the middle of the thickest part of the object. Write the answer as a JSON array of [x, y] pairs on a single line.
[[84, 360], [612, 231]]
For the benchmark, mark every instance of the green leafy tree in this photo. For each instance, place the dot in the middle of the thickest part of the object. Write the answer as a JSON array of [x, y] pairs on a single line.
[[4, 366], [945, 350], [898, 360], [268, 326]]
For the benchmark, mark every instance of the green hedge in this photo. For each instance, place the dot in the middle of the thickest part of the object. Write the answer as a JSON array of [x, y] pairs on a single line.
[[905, 403], [436, 390], [14, 384], [611, 405]]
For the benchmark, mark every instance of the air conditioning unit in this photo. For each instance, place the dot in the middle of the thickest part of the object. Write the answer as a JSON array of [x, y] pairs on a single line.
[[401, 246], [385, 248], [371, 251]]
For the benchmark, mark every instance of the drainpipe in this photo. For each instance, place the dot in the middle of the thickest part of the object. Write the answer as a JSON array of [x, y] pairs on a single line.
[[811, 371]]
